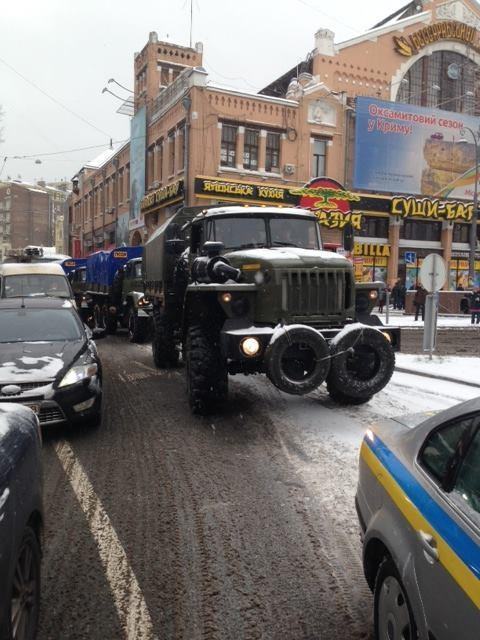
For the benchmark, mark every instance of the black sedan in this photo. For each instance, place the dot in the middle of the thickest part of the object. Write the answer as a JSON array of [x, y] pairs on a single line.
[[21, 517], [49, 362]]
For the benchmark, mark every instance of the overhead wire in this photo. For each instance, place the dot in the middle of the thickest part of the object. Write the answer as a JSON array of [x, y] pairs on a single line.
[[55, 100]]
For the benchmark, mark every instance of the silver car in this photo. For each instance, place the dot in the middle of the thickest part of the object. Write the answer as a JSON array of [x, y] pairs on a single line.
[[418, 502]]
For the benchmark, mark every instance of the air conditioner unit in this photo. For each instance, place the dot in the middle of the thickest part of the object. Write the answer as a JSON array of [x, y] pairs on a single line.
[[289, 169]]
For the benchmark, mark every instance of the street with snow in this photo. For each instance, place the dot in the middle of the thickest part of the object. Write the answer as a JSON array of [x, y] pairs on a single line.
[[237, 525]]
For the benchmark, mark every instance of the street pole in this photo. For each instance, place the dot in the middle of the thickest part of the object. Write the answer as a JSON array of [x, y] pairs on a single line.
[[473, 226]]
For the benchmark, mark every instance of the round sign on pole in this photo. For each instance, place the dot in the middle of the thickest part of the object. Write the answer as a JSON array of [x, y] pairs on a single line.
[[433, 272]]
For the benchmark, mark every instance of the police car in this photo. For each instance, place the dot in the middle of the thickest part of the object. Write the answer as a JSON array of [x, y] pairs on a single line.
[[418, 502]]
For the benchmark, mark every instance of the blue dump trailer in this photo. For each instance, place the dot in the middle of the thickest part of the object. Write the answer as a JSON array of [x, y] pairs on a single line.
[[72, 264], [110, 292]]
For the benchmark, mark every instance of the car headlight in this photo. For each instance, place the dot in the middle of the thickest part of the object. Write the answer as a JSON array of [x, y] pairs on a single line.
[[79, 373], [144, 302]]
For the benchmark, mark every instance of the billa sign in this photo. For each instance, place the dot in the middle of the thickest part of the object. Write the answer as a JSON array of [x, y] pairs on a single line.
[[324, 196], [371, 250], [431, 209], [163, 196], [445, 30]]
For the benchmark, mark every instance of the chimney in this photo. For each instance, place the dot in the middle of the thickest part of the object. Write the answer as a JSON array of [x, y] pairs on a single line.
[[153, 37], [324, 42]]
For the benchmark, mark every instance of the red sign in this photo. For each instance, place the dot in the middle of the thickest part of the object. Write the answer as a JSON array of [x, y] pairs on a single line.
[[330, 202]]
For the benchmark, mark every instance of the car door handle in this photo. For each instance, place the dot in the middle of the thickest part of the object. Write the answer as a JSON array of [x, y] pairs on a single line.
[[429, 546]]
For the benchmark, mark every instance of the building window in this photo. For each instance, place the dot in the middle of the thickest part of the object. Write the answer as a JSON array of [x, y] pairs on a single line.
[[272, 155], [159, 175], [229, 141], [319, 158], [181, 148], [164, 76], [373, 227], [250, 150], [416, 230], [171, 153], [445, 80], [461, 233]]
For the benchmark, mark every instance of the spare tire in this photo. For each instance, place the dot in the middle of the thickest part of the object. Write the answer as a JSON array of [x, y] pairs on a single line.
[[297, 360], [362, 363]]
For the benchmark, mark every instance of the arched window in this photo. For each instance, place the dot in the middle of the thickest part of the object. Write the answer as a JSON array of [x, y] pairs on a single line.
[[444, 79]]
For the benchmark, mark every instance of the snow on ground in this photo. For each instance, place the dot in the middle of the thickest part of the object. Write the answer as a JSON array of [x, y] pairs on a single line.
[[457, 367], [399, 319]]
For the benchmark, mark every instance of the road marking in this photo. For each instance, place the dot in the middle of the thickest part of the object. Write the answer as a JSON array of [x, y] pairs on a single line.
[[131, 607]]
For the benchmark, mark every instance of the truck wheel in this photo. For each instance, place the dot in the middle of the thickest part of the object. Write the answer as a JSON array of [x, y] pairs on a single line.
[[206, 371], [298, 360], [165, 353], [137, 327], [110, 321], [362, 364], [343, 398]]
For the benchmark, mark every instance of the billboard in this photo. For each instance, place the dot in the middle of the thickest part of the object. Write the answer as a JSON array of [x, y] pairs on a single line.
[[404, 148], [121, 236], [137, 161]]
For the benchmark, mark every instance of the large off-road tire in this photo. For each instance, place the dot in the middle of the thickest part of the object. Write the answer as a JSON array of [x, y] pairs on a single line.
[[297, 360], [24, 604], [362, 363], [393, 616], [137, 327], [206, 371], [164, 350]]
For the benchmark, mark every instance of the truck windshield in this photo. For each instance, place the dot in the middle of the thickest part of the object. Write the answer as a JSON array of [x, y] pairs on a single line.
[[33, 285], [238, 233], [294, 232]]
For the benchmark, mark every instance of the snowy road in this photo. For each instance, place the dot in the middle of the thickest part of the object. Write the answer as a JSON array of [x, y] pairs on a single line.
[[238, 526]]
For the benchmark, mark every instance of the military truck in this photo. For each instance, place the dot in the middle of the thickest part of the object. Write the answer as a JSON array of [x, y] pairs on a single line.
[[250, 290], [109, 292]]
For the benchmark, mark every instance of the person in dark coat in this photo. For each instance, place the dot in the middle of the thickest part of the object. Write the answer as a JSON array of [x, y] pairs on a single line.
[[402, 294], [419, 301], [382, 298], [396, 294], [475, 306]]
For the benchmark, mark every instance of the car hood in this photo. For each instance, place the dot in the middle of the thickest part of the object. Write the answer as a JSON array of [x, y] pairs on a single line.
[[412, 420], [36, 361], [289, 257]]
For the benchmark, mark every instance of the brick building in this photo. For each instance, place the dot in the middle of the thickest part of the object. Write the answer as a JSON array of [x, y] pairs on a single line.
[[193, 142]]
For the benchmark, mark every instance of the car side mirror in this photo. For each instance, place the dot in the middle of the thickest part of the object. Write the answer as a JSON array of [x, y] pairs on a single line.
[[98, 333], [348, 237]]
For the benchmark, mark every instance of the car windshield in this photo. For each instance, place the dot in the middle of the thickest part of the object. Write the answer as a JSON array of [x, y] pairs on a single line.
[[294, 232], [34, 285], [39, 325], [238, 233]]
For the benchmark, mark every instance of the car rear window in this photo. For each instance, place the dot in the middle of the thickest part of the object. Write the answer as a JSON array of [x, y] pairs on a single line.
[[39, 325], [31, 285]]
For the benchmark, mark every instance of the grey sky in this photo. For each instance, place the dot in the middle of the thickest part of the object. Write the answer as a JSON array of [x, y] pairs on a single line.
[[70, 50]]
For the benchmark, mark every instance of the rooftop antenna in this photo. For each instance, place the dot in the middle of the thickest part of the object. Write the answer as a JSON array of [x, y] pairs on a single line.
[[191, 22]]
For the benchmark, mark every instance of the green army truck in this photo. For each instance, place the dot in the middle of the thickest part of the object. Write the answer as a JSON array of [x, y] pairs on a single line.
[[250, 290]]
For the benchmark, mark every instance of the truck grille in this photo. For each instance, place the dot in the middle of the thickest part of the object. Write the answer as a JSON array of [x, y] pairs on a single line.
[[307, 292]]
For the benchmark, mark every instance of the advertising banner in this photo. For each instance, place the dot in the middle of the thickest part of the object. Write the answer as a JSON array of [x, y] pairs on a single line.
[[404, 148], [122, 229], [137, 161]]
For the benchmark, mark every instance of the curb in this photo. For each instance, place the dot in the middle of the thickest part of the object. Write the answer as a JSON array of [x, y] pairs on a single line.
[[423, 374]]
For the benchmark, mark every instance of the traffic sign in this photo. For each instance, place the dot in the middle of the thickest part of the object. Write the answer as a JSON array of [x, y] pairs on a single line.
[[433, 272], [410, 257]]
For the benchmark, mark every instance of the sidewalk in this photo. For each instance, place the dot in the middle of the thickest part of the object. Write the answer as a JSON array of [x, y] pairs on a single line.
[[453, 369], [399, 319]]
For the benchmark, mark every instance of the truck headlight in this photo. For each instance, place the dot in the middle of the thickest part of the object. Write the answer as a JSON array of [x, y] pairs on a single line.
[[144, 302], [373, 295], [78, 373], [250, 346]]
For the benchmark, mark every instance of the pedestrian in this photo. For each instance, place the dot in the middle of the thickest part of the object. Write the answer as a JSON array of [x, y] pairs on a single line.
[[395, 294], [419, 301], [475, 306], [402, 294], [382, 298]]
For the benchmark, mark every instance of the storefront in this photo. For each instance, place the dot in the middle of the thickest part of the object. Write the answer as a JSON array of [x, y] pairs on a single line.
[[158, 205], [371, 261]]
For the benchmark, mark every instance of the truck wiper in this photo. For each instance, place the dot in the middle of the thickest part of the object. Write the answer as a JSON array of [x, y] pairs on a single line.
[[280, 243]]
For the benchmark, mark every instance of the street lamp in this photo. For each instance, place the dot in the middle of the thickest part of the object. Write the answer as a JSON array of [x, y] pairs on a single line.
[[473, 226]]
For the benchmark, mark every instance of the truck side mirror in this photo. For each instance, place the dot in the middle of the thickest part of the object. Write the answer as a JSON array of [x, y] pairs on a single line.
[[348, 237], [175, 247]]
